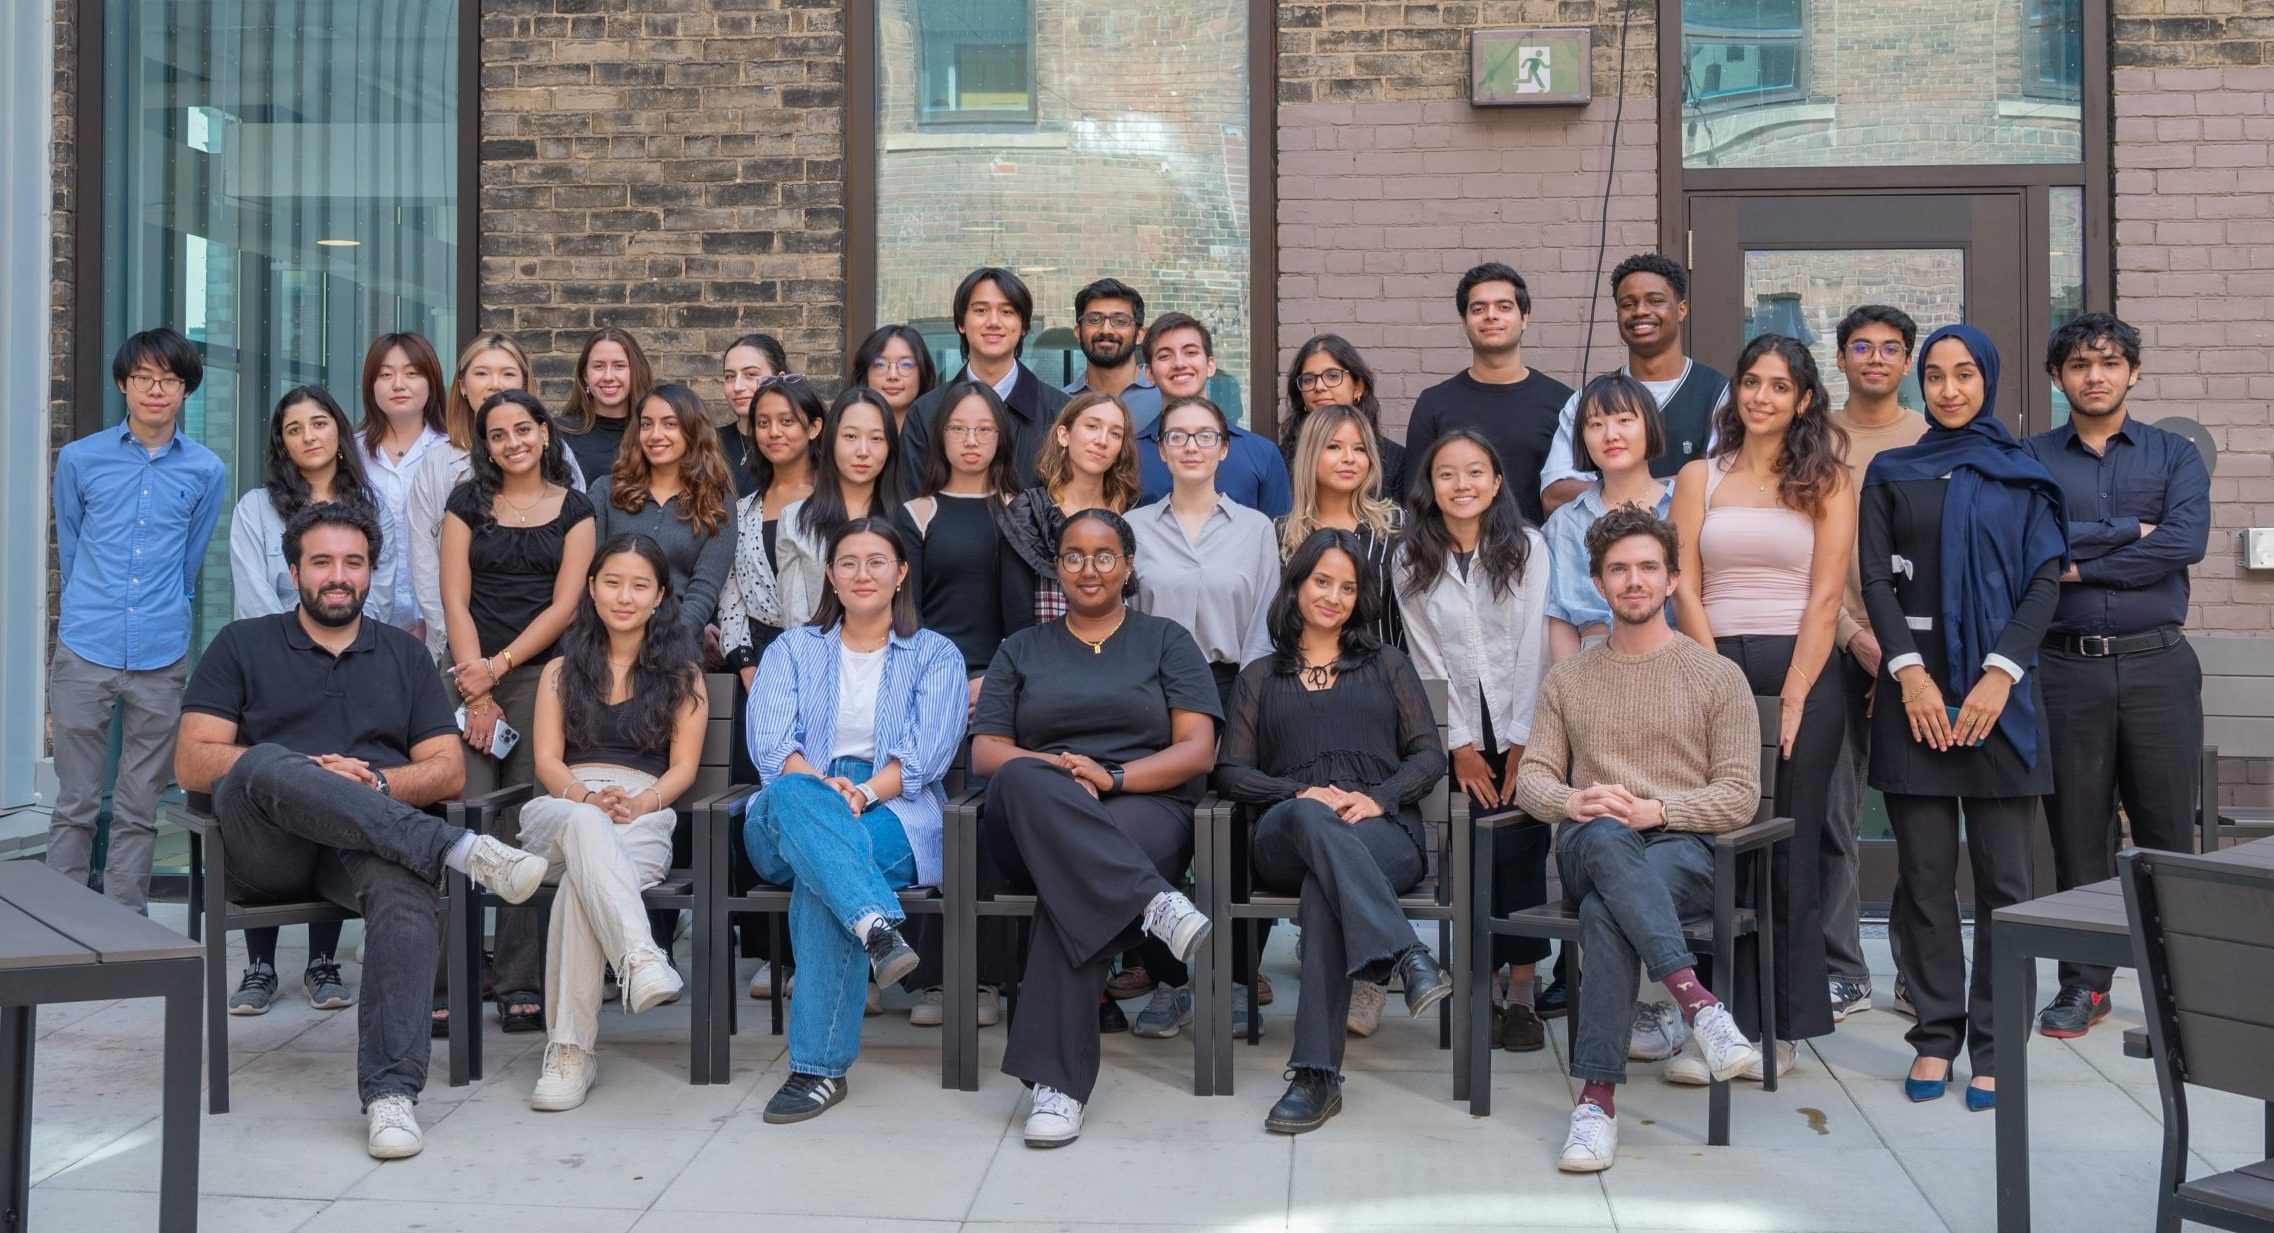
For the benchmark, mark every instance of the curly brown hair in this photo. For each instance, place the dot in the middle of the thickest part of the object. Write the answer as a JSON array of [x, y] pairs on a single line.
[[708, 487], [1812, 463]]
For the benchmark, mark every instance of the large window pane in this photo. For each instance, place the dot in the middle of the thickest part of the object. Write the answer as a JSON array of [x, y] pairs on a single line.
[[1811, 83], [1803, 293], [1118, 147], [280, 183], [2065, 208]]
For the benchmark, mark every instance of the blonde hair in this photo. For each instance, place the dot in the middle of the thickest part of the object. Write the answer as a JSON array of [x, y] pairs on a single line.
[[1375, 512], [457, 414], [1054, 466]]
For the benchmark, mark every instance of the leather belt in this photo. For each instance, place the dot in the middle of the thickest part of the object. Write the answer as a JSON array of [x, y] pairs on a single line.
[[2096, 646]]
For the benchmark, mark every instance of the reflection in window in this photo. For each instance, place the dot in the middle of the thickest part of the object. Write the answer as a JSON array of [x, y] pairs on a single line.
[[280, 183], [2065, 242], [1807, 83], [976, 60], [1803, 293], [1134, 164]]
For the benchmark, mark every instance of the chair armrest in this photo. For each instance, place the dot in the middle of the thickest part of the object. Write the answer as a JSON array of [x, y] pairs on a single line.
[[1755, 836], [474, 812], [197, 812], [723, 805], [1493, 819]]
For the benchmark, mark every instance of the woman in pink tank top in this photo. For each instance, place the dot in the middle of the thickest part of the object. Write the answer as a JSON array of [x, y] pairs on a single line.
[[1768, 526]]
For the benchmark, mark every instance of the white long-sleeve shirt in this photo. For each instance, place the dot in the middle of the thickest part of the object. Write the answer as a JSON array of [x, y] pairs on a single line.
[[1480, 643]]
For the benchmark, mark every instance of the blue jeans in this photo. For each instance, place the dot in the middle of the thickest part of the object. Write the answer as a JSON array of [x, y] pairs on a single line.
[[840, 869], [1634, 889]]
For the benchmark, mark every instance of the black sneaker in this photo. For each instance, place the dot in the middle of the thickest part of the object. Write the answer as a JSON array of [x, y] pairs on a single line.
[[803, 1096], [326, 991], [890, 956], [255, 991], [1553, 1002], [1312, 1097], [1111, 1018], [1849, 997], [1521, 1030], [2072, 1013]]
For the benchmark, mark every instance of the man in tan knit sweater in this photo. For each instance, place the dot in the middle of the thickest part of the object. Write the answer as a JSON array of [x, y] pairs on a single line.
[[1643, 748]]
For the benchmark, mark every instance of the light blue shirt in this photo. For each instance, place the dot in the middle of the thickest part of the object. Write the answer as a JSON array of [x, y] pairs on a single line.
[[1572, 597], [921, 705], [131, 528]]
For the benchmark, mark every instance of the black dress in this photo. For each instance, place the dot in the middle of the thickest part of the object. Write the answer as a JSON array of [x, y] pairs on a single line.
[[955, 564], [1904, 521], [1371, 732]]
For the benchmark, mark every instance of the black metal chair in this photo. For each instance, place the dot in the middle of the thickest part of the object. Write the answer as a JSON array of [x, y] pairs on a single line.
[[2203, 936], [1443, 895], [1743, 907], [2225, 824]]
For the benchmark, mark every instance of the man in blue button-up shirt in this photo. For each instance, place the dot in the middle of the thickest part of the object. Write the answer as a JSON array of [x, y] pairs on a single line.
[[1181, 355], [2121, 683], [135, 505]]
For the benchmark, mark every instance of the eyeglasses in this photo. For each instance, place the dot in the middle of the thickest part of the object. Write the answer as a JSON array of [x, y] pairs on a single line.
[[1119, 321], [853, 567], [1862, 349], [972, 432], [1103, 562], [1206, 438], [141, 382], [781, 379], [881, 366], [1328, 377]]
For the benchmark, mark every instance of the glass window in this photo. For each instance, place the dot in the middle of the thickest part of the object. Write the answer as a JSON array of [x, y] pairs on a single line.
[[2065, 210], [1808, 83], [976, 60], [280, 183], [1134, 165], [1803, 293]]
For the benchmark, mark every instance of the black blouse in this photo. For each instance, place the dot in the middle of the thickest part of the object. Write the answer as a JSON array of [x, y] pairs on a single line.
[[513, 567], [1371, 731], [955, 565]]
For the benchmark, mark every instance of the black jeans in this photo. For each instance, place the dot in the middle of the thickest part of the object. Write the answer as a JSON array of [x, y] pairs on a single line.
[[1349, 877], [295, 827], [2126, 727], [1952, 1011]]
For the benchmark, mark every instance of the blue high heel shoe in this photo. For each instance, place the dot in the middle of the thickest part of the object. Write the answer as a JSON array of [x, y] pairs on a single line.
[[1923, 1090], [1980, 1100]]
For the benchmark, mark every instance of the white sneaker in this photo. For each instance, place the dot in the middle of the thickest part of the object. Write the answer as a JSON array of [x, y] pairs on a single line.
[[1724, 1050], [930, 1009], [1687, 1067], [990, 1006], [568, 1075], [1787, 1054], [394, 1129], [1658, 1032], [762, 981], [1056, 1119], [1365, 1015], [649, 980], [1172, 918], [507, 872], [1593, 1143], [874, 1005]]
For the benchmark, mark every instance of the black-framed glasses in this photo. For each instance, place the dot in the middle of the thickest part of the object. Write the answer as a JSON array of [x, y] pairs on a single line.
[[1104, 562], [1119, 321], [1863, 349], [166, 384], [1205, 438], [1327, 377]]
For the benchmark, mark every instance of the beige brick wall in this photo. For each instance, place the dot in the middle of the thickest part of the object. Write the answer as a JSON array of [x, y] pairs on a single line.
[[62, 355], [675, 168]]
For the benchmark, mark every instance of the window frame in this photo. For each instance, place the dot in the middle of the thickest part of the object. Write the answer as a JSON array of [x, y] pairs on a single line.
[[954, 117], [1795, 37], [2034, 21]]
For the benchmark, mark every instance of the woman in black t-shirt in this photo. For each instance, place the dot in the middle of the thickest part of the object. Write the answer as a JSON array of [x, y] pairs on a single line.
[[516, 542], [1332, 738], [1091, 730]]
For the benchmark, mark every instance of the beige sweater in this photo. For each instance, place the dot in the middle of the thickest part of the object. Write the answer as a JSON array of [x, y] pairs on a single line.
[[1677, 725]]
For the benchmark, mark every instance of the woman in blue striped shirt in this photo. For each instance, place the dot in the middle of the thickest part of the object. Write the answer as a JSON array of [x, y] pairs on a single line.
[[854, 721]]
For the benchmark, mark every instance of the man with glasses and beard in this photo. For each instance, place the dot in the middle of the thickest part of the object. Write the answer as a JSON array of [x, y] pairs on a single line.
[[322, 737], [1109, 323]]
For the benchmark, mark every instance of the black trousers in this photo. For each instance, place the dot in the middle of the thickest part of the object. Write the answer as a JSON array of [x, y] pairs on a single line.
[[1349, 877], [1519, 861], [2121, 727], [1093, 866], [1952, 1010], [1804, 793]]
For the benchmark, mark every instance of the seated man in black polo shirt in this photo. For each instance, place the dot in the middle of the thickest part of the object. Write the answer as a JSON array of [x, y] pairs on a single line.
[[322, 736]]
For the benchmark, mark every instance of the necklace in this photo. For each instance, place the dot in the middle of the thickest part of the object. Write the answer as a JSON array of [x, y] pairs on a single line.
[[1097, 647], [520, 512], [1317, 677]]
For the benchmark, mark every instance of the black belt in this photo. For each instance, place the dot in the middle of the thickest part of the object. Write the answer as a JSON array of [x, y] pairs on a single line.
[[2095, 646]]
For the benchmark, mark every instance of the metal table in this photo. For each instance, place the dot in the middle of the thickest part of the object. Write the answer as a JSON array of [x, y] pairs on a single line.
[[64, 943], [2085, 925]]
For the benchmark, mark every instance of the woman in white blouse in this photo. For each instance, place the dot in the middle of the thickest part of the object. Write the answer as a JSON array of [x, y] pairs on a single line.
[[1472, 582], [402, 421]]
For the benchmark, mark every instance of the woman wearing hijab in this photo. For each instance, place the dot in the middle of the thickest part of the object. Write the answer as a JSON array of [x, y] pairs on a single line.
[[1962, 545]]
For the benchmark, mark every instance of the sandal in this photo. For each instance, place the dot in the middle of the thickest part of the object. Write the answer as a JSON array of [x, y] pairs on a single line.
[[439, 1025], [521, 1021]]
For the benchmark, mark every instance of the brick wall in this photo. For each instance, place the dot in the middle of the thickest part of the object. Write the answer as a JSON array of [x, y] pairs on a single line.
[[675, 168], [1390, 184], [60, 285]]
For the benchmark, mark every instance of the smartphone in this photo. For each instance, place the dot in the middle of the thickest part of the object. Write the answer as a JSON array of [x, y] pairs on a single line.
[[503, 737], [1951, 710]]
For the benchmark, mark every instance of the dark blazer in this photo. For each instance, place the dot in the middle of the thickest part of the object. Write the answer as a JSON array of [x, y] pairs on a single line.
[[1034, 409]]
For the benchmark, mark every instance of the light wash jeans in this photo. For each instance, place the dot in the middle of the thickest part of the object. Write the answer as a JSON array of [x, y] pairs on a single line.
[[840, 868], [598, 917]]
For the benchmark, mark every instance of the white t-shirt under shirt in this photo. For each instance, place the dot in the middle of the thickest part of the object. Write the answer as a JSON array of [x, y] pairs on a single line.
[[859, 675], [1563, 455]]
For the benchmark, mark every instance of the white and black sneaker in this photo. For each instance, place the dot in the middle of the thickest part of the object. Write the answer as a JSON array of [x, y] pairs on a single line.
[[255, 991], [890, 956], [1900, 1003], [1849, 997], [1055, 1120], [803, 1096], [1179, 925]]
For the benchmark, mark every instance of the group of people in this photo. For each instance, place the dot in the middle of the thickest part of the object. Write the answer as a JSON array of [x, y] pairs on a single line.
[[1123, 599]]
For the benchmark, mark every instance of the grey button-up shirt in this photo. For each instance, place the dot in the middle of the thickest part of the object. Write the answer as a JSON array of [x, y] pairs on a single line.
[[1219, 587]]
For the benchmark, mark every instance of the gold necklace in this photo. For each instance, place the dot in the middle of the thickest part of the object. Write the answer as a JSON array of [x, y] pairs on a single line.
[[521, 512], [1098, 647]]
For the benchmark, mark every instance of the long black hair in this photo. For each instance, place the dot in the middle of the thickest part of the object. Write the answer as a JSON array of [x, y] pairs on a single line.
[[1344, 354], [663, 677], [804, 399], [825, 509], [1358, 639], [872, 349], [1003, 472], [1502, 547], [287, 488], [483, 471], [906, 619]]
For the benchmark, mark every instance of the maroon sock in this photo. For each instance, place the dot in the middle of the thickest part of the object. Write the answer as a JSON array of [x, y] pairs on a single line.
[[1600, 1095], [1690, 993]]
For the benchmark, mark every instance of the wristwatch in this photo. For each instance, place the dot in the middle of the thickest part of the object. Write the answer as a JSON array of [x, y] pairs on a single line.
[[380, 782], [867, 794], [1113, 771]]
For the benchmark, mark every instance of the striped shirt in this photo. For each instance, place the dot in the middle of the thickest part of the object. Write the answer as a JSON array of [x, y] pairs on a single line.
[[921, 705]]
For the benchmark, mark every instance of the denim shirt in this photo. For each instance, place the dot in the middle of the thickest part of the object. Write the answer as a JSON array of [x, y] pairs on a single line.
[[131, 528], [921, 705], [1572, 597]]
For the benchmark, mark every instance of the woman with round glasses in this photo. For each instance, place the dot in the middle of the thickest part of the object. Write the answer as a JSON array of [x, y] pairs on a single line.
[[1327, 372], [1092, 731], [894, 362]]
